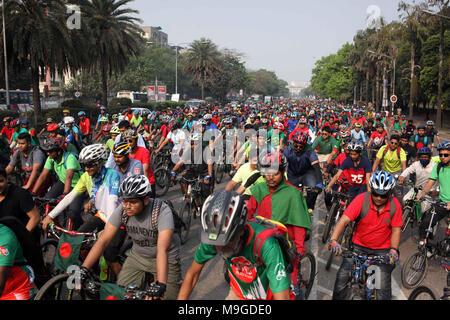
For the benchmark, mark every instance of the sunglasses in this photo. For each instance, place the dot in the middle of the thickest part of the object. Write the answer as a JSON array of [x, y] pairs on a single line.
[[394, 143], [90, 165], [445, 155], [382, 196]]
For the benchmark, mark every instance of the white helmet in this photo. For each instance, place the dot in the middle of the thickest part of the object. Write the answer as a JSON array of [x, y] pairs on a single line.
[[136, 186], [93, 153], [68, 120]]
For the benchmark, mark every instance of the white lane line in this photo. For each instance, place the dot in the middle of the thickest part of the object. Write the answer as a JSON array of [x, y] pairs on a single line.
[[336, 267]]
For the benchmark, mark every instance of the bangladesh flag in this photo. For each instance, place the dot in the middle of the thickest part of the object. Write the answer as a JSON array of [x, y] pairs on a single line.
[[68, 251], [286, 204], [111, 291]]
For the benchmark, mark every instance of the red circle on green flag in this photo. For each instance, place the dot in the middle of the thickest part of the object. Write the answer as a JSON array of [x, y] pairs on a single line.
[[65, 250]]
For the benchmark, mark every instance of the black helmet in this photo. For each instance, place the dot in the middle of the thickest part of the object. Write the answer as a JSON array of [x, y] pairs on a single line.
[[223, 216]]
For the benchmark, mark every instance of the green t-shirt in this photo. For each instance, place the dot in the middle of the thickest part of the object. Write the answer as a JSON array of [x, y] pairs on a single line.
[[68, 162], [444, 182], [136, 121], [252, 282], [109, 144], [71, 148], [325, 147]]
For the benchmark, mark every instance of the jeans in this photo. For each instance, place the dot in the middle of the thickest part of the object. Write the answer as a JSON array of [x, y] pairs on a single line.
[[343, 276], [74, 208], [309, 180]]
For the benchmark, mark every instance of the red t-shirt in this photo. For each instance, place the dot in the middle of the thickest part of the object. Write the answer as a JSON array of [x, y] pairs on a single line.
[[143, 155], [8, 132], [85, 126], [378, 139], [375, 230]]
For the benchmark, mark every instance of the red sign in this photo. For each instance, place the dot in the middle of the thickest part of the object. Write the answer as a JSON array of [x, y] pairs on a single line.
[[393, 98], [151, 90], [161, 89]]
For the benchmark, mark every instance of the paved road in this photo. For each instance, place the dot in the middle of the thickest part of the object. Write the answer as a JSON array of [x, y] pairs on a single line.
[[212, 286]]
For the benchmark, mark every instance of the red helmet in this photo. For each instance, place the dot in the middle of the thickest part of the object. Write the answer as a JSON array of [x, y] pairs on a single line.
[[300, 137], [272, 160], [55, 143], [106, 128], [279, 126], [52, 127]]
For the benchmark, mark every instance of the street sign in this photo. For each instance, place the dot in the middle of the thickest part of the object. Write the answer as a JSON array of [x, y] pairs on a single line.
[[77, 94], [393, 98]]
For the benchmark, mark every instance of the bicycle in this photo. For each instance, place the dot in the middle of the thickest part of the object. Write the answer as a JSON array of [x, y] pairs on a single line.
[[192, 205], [58, 287], [360, 286], [415, 268], [221, 169], [425, 293], [412, 213], [307, 274], [337, 209]]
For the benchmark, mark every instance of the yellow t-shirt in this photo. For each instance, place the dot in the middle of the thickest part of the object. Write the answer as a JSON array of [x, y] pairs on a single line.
[[391, 162], [243, 174]]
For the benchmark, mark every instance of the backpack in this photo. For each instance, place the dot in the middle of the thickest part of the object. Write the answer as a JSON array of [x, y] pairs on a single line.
[[156, 209], [366, 207], [278, 231], [416, 139], [30, 248], [387, 149]]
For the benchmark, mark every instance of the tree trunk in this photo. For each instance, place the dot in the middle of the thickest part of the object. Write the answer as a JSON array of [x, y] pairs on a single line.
[[367, 86], [377, 89], [411, 86], [36, 93], [441, 63], [104, 86]]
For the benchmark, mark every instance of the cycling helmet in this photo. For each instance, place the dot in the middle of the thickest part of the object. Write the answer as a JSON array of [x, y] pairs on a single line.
[[302, 120], [6, 119], [358, 125], [116, 116], [115, 130], [264, 121], [106, 128], [430, 123], [68, 120], [355, 146], [444, 146], [202, 122], [382, 182], [272, 160], [228, 121], [52, 127], [207, 116], [81, 113], [103, 119], [223, 216], [279, 126], [129, 134], [122, 148], [300, 137], [55, 144], [93, 153], [424, 150], [136, 186]]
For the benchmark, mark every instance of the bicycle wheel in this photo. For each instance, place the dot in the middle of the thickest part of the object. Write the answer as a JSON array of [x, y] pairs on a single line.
[[330, 222], [57, 289], [162, 179], [406, 218], [185, 215], [48, 250], [422, 293], [414, 270], [307, 272], [219, 173]]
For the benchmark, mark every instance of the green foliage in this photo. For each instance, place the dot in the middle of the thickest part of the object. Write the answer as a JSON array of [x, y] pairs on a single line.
[[332, 76]]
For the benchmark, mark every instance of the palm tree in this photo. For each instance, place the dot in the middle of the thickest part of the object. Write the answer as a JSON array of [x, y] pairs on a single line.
[[39, 36], [114, 37], [201, 61]]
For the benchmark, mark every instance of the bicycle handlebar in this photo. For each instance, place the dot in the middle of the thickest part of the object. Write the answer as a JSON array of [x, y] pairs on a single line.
[[89, 237], [346, 253]]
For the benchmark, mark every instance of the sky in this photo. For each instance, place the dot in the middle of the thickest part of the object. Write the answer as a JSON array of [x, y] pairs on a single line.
[[284, 36]]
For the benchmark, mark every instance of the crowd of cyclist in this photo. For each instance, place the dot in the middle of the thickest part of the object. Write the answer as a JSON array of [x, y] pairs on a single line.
[[101, 173]]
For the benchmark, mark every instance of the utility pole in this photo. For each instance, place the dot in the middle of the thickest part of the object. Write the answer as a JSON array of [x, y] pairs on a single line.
[[8, 101]]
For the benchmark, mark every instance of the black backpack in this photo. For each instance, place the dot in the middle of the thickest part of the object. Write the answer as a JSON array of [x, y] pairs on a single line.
[[30, 248]]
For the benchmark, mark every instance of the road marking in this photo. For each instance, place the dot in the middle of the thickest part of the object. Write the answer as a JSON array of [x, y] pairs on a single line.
[[334, 266]]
